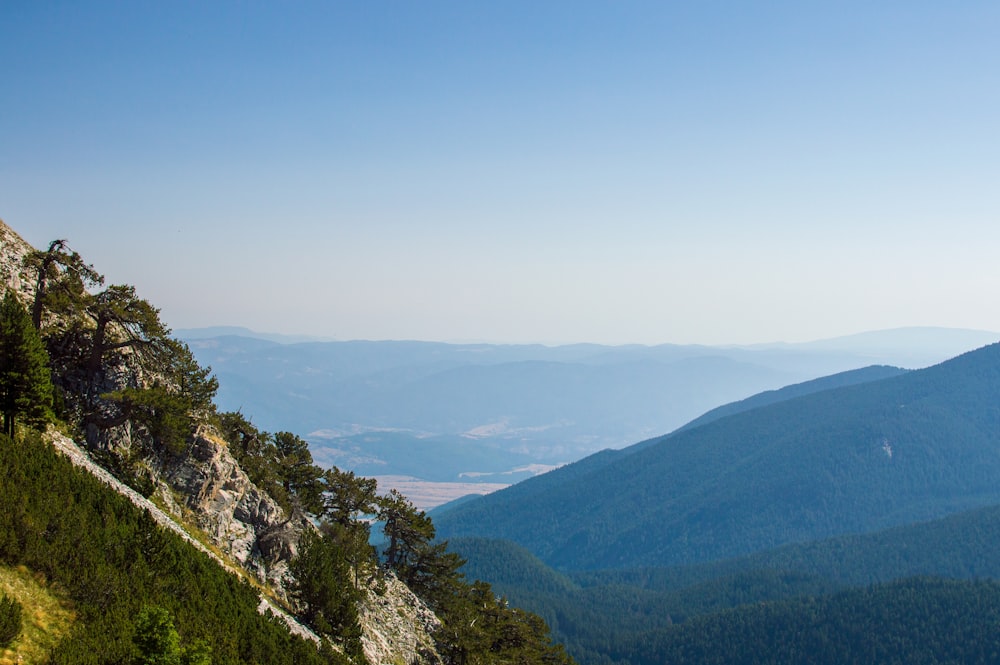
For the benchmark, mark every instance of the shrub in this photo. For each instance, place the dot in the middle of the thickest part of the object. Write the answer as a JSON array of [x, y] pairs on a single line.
[[10, 620]]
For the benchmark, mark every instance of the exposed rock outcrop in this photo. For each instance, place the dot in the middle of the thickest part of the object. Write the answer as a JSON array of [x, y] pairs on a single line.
[[247, 523], [253, 529], [13, 249], [396, 623]]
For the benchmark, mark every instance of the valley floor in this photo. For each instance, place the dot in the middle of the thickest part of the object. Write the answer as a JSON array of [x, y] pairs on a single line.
[[426, 495]]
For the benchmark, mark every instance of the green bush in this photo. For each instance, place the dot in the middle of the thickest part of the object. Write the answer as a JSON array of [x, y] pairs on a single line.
[[10, 620]]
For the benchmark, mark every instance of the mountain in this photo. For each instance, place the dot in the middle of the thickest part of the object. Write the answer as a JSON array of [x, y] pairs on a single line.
[[849, 378], [239, 331], [851, 459], [379, 407]]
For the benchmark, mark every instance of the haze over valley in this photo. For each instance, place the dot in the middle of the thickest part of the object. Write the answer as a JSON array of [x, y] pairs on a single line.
[[443, 420]]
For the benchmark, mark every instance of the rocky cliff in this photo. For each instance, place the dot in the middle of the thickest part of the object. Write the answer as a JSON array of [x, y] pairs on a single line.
[[206, 488], [208, 485]]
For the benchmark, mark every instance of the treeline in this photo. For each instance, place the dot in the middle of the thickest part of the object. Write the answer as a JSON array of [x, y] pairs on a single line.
[[591, 619], [960, 546], [100, 361]]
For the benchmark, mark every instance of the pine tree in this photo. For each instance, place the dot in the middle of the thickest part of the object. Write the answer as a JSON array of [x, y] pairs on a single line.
[[25, 379]]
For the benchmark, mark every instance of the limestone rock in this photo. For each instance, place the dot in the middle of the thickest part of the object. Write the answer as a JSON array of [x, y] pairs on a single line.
[[13, 249], [397, 627], [244, 521]]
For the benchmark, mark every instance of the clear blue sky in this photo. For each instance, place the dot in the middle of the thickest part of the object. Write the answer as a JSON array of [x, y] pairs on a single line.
[[716, 172]]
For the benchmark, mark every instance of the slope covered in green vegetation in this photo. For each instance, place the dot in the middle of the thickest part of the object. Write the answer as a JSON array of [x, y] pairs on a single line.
[[600, 612], [590, 610], [918, 620], [840, 380], [113, 560]]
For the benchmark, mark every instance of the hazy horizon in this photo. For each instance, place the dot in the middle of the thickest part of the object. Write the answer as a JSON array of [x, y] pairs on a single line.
[[614, 173], [948, 334]]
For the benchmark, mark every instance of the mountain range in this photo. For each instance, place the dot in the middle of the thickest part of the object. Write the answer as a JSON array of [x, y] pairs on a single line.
[[450, 413], [851, 459]]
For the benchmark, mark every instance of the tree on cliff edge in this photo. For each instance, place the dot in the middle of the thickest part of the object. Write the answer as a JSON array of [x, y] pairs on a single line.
[[25, 381]]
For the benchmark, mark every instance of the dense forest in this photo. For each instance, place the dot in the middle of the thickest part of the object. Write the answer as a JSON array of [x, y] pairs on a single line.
[[596, 613], [912, 621], [99, 363]]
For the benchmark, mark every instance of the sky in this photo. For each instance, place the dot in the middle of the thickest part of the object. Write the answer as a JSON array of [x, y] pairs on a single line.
[[612, 172]]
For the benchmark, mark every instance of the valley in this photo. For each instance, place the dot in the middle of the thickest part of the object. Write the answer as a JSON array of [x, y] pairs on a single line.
[[454, 414]]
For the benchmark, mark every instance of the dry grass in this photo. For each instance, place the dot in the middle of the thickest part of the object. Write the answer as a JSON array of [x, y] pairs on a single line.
[[46, 616]]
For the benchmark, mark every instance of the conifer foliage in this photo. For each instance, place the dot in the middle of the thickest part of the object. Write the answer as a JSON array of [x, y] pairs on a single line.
[[10, 620], [25, 382]]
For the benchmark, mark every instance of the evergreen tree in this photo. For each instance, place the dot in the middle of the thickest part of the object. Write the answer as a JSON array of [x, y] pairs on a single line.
[[348, 497], [300, 478], [159, 644], [25, 380], [10, 620], [406, 529], [61, 280], [323, 587], [156, 639], [125, 321]]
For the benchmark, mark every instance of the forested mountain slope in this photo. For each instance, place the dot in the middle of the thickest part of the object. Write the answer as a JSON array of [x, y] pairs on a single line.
[[597, 613], [920, 620], [112, 560], [852, 459]]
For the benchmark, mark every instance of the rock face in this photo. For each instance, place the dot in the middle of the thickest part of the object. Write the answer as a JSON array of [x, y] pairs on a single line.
[[397, 624], [247, 523], [13, 249], [397, 627]]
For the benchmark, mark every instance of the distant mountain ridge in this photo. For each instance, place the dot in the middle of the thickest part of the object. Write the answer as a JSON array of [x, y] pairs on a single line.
[[488, 409], [857, 458]]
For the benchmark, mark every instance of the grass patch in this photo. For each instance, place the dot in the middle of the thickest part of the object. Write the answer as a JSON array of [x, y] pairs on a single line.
[[46, 616]]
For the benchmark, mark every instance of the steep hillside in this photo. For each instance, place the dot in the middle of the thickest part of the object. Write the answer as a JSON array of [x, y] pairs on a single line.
[[96, 361], [964, 545], [111, 559], [847, 460]]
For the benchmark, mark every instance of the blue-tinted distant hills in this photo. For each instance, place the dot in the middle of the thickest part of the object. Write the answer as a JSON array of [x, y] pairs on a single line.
[[488, 409], [852, 459]]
